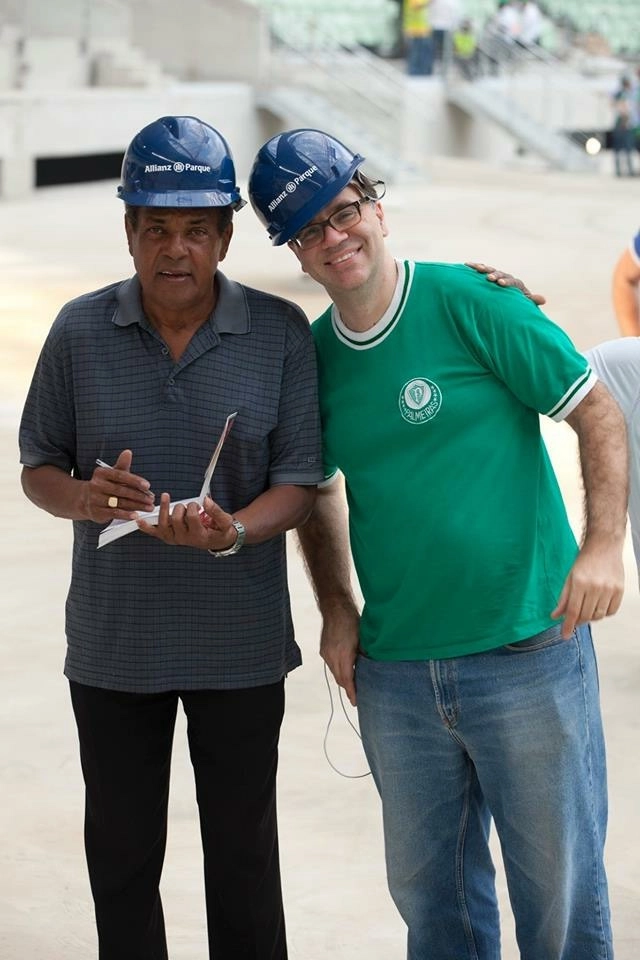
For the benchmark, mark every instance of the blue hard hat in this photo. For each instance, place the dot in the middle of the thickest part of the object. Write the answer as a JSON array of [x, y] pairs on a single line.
[[179, 162], [294, 176]]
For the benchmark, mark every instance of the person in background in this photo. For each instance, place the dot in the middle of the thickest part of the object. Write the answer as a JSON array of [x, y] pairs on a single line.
[[531, 23], [500, 35], [623, 135], [507, 20], [626, 289], [635, 107], [465, 50], [418, 37], [444, 16], [144, 373], [472, 663]]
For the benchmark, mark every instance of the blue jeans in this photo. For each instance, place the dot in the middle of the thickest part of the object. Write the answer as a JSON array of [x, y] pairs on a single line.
[[514, 734], [420, 56]]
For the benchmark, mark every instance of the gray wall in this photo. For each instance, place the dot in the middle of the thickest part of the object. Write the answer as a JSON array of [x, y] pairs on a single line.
[[205, 40]]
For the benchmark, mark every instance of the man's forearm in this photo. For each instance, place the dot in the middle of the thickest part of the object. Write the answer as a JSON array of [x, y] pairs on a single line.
[[626, 287], [55, 491], [601, 430], [324, 541], [281, 507]]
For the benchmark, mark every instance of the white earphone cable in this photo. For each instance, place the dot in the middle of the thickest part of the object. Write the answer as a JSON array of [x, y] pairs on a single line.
[[348, 776]]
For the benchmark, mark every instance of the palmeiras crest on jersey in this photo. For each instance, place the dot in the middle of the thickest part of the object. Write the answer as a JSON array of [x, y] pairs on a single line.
[[419, 400]]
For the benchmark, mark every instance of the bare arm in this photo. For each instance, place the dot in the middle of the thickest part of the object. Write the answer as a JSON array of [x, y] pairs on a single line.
[[324, 540], [594, 586], [62, 495], [626, 292]]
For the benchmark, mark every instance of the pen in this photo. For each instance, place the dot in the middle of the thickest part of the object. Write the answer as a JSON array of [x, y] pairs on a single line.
[[108, 466]]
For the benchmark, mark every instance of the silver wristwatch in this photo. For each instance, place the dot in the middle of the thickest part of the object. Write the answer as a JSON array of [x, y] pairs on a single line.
[[229, 552]]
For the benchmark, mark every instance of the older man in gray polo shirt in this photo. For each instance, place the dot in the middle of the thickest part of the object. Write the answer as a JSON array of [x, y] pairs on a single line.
[[142, 376]]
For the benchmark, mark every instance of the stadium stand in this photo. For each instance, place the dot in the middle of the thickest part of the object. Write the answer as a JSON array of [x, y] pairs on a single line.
[[303, 62], [307, 24]]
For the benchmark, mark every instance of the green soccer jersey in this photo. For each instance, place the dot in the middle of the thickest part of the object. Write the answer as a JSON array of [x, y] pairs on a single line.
[[459, 534]]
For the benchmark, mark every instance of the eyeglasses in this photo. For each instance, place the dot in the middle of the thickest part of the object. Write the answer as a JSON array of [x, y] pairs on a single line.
[[342, 219]]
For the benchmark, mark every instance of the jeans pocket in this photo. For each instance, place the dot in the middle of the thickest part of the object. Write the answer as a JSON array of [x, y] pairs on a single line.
[[539, 641]]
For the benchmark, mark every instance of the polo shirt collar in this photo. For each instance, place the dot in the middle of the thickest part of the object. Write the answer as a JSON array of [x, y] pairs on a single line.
[[230, 315]]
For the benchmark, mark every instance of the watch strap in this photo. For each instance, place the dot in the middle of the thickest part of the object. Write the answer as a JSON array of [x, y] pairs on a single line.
[[235, 547]]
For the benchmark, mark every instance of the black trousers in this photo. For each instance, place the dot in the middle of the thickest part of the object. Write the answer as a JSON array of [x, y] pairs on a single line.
[[125, 750]]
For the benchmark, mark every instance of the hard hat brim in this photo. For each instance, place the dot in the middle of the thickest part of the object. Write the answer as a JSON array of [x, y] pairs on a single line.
[[183, 198], [316, 204]]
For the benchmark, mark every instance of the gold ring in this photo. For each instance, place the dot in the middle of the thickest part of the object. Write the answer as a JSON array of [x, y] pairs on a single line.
[[112, 502]]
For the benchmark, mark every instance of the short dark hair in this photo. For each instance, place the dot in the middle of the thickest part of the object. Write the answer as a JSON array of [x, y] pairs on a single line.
[[225, 214], [375, 189]]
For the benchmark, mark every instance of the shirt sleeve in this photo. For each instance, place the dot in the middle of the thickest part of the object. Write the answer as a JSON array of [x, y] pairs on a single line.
[[524, 349], [634, 248], [329, 478], [296, 455], [617, 364], [47, 429]]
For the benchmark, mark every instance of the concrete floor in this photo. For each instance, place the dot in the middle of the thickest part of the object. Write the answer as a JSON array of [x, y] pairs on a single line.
[[562, 234]]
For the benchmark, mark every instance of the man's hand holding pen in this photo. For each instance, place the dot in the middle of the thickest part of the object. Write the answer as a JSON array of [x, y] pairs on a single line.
[[114, 493]]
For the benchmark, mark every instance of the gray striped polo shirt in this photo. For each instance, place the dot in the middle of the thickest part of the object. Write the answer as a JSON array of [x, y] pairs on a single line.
[[142, 616]]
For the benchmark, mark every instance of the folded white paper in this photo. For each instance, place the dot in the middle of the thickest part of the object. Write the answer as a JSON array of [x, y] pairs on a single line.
[[120, 528]]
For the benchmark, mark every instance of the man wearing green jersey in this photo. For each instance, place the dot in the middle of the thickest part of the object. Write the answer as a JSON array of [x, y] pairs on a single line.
[[472, 660]]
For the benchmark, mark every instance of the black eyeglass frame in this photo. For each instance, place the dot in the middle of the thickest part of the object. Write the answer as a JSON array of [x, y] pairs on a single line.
[[323, 224]]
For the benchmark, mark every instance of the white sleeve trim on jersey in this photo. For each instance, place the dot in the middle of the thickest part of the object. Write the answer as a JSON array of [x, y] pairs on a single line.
[[573, 396], [329, 480]]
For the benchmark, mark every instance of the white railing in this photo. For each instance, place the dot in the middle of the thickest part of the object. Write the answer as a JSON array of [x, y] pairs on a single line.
[[515, 88], [339, 85], [535, 83]]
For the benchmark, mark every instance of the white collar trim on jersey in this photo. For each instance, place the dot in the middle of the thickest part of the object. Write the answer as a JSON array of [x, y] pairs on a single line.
[[387, 322]]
